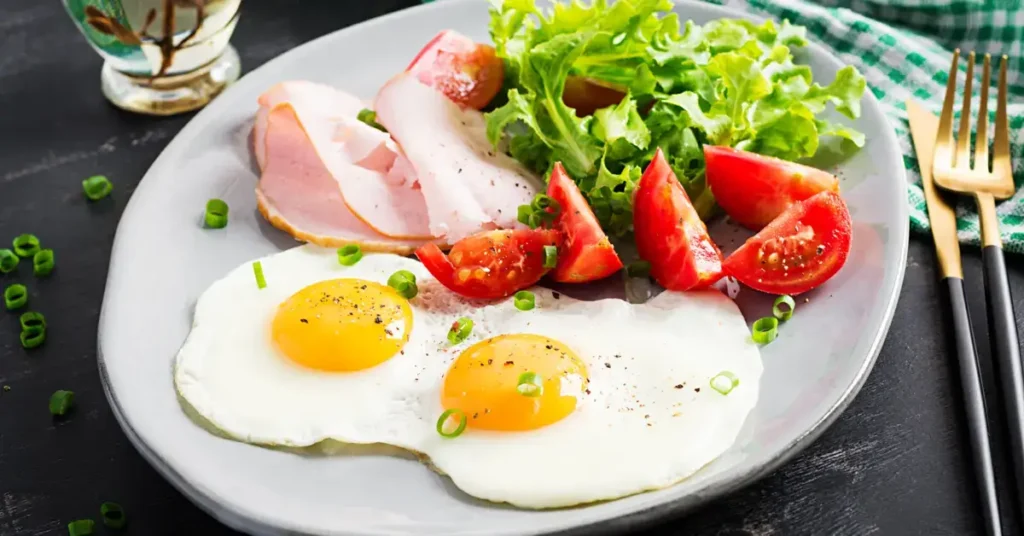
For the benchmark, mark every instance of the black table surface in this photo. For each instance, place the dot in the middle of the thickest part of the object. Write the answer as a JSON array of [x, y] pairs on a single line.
[[895, 462]]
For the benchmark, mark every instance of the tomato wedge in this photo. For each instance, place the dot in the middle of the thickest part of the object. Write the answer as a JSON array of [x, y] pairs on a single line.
[[587, 254], [669, 234], [586, 96], [801, 249], [491, 264], [754, 189], [468, 73]]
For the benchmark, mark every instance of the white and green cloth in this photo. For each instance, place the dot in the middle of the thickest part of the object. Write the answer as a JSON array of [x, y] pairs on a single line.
[[904, 49]]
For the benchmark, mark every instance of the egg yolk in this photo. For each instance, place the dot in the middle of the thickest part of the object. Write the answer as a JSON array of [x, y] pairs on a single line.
[[483, 383], [342, 325]]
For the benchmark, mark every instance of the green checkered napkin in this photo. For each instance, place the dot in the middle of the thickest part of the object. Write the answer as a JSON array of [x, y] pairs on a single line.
[[904, 48]]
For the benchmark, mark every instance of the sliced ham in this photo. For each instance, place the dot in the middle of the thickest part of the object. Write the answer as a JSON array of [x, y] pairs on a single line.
[[467, 185], [357, 156], [298, 194]]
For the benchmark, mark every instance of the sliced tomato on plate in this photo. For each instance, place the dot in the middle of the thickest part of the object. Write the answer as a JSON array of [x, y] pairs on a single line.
[[468, 73], [754, 189], [801, 249], [491, 264], [585, 95], [587, 254], [669, 234]]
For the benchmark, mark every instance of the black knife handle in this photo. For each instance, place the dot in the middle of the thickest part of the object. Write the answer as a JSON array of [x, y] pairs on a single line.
[[1002, 327], [974, 404]]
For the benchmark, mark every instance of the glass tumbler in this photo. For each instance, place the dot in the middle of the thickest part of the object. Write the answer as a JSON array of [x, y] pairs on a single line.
[[161, 57]]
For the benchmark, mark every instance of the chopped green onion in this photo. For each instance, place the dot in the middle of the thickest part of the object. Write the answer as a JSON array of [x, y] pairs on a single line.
[[535, 220], [7, 388], [724, 382], [15, 297], [350, 254], [523, 214], [542, 202], [460, 329], [113, 515], [32, 337], [97, 187], [31, 320], [638, 269], [216, 214], [82, 527], [530, 385], [405, 283], [765, 330], [784, 313], [524, 300], [8, 261], [370, 118], [26, 245], [550, 256], [42, 263], [257, 269], [458, 414], [61, 402]]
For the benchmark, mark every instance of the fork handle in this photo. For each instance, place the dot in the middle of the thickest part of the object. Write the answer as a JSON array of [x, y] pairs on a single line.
[[1006, 352], [974, 404]]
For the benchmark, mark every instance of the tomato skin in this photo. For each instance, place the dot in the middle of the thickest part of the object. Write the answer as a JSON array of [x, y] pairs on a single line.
[[585, 95], [754, 189], [491, 264], [468, 73], [587, 254], [810, 242], [669, 234]]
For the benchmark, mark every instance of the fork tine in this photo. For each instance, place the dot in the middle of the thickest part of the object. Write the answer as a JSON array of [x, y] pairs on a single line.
[[963, 138], [981, 138], [1001, 145], [944, 138]]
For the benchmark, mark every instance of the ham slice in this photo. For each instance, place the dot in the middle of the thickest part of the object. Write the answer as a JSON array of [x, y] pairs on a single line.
[[468, 186], [298, 194], [358, 157]]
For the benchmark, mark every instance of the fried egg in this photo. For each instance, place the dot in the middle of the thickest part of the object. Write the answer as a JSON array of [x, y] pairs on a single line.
[[621, 399]]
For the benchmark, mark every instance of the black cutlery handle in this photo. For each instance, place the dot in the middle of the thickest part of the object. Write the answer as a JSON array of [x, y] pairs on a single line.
[[1002, 327], [974, 404]]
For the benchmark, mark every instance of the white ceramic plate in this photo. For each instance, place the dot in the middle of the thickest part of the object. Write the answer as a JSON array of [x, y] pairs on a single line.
[[163, 260]]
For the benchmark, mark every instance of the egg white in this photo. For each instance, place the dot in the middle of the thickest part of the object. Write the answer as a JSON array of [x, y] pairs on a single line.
[[649, 419]]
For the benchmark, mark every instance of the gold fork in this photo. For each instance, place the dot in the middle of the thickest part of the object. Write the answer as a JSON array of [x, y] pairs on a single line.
[[952, 170]]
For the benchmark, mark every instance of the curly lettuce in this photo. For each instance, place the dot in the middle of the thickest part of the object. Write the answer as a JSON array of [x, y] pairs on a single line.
[[728, 82]]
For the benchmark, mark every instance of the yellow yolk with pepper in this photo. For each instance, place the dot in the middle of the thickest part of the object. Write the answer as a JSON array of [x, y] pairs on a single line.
[[342, 325], [483, 382]]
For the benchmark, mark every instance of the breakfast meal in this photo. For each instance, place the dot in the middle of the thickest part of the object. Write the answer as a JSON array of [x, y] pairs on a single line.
[[420, 312]]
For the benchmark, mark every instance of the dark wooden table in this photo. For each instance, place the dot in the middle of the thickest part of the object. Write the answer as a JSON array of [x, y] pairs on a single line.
[[894, 463]]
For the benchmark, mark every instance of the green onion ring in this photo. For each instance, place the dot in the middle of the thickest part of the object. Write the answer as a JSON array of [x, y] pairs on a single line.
[[550, 256], [113, 515], [350, 254], [32, 337], [765, 330], [779, 312], [42, 262], [32, 320], [369, 117], [216, 214], [530, 384], [26, 245], [15, 297], [460, 330], [524, 300], [724, 382], [257, 270], [82, 527], [461, 415], [404, 282], [61, 402], [97, 187], [523, 214], [638, 269], [8, 261]]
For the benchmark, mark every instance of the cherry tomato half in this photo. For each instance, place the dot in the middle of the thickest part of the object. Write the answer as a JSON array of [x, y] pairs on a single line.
[[587, 255]]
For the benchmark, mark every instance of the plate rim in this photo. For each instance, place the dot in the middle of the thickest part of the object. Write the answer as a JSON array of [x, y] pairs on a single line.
[[236, 516]]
